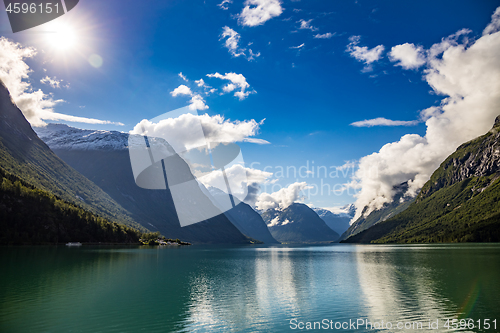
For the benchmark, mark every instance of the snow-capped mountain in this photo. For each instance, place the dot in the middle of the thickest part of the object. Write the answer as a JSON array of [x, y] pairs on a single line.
[[60, 136], [243, 216], [337, 219], [103, 157], [64, 137], [298, 224]]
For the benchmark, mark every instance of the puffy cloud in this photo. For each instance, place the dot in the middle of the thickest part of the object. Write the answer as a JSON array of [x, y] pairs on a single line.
[[229, 87], [181, 90], [257, 12], [283, 198], [215, 128], [196, 103], [237, 81], [468, 76], [236, 178], [327, 35], [232, 40], [407, 56], [306, 25], [363, 53], [200, 83], [35, 104], [383, 122], [224, 5]]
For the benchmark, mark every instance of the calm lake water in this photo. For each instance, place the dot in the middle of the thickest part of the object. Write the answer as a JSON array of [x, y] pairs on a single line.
[[248, 288]]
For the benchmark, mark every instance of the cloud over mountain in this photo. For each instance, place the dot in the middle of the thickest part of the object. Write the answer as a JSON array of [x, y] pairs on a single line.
[[282, 198], [215, 128], [466, 73]]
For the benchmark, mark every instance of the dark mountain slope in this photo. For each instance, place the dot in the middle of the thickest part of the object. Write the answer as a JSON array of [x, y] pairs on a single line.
[[250, 223], [23, 154], [103, 157]]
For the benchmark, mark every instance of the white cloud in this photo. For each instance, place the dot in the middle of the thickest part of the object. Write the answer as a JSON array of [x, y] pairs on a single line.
[[306, 25], [327, 35], [383, 122], [252, 55], [182, 76], [229, 87], [215, 128], [181, 90], [283, 198], [200, 83], [407, 56], [468, 76], [298, 47], [363, 53], [494, 25], [34, 104], [225, 4], [257, 12], [232, 41], [53, 82], [196, 102], [237, 81], [236, 178]]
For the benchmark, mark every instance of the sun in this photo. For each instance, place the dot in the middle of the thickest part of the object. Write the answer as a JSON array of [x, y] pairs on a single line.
[[61, 36]]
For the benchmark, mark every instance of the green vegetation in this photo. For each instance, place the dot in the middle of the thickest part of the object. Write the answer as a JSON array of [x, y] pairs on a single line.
[[155, 238], [29, 215]]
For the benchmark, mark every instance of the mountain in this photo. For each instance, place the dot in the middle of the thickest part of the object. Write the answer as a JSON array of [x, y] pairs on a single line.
[[458, 204], [250, 223], [103, 157], [398, 204], [24, 155], [244, 217], [298, 224], [338, 222]]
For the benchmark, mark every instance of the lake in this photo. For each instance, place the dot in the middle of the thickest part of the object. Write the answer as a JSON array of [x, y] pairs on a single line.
[[251, 288]]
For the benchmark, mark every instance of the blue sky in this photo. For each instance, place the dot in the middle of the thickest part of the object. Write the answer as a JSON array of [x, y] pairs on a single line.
[[309, 90]]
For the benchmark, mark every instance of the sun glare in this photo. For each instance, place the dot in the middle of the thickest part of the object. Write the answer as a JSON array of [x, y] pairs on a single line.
[[62, 36]]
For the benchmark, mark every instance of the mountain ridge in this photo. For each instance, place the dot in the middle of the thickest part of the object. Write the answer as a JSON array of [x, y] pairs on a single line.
[[103, 157]]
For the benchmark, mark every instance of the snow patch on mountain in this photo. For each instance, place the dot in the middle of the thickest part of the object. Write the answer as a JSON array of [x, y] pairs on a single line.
[[64, 137]]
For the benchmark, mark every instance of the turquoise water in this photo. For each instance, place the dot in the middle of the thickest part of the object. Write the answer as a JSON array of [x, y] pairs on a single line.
[[247, 288]]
